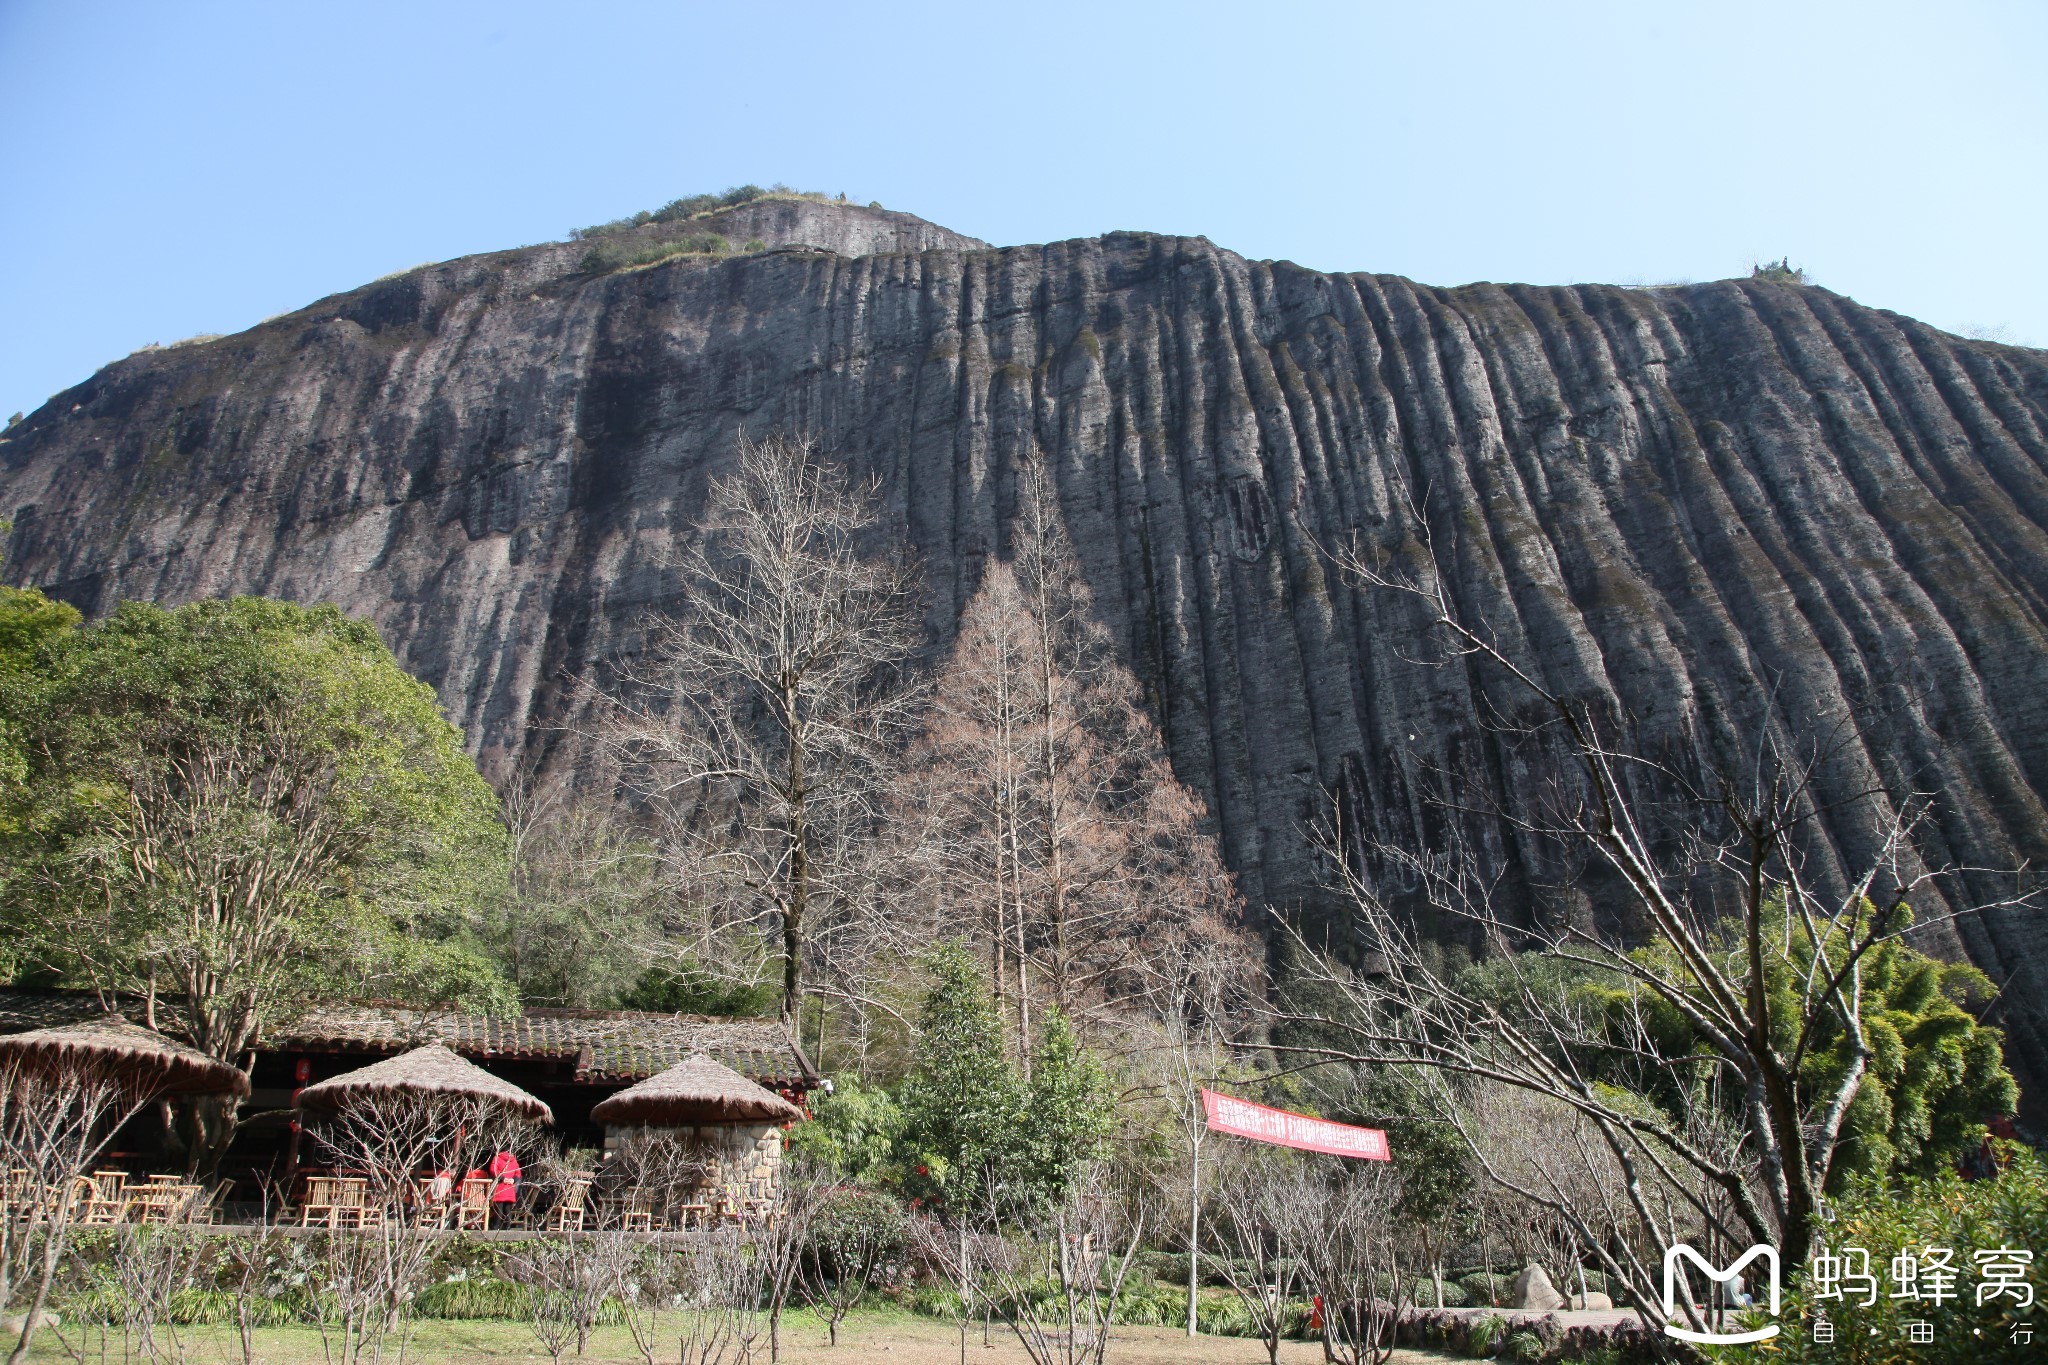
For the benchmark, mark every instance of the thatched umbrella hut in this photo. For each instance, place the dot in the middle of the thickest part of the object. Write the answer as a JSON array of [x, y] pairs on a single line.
[[731, 1127], [694, 1092], [119, 1050], [428, 1071]]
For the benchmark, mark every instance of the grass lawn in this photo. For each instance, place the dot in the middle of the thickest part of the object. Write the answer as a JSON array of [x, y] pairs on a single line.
[[899, 1338]]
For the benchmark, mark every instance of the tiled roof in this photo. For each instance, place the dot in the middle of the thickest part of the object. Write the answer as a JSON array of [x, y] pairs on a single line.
[[606, 1045]]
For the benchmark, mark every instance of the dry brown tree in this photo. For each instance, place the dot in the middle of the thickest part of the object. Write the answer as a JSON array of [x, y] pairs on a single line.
[[758, 721], [1193, 1037], [1038, 804], [567, 1281], [1726, 914], [719, 1299]]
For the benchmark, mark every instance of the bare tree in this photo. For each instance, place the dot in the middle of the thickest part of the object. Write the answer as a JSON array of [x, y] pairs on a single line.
[[720, 1300], [372, 1272], [778, 1243], [1200, 997], [54, 1123], [584, 891], [654, 1171], [1340, 1228], [1084, 1253], [642, 1274], [758, 720], [1731, 930], [853, 1234], [1263, 1199], [149, 1264], [958, 1255], [566, 1288]]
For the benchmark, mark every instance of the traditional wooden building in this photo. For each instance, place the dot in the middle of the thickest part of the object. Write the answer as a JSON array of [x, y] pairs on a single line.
[[570, 1059]]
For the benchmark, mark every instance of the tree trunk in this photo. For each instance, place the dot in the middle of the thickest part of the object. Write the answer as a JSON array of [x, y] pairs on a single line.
[[1194, 1230], [799, 884]]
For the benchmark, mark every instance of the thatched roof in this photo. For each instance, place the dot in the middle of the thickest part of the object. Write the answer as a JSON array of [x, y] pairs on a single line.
[[695, 1090], [601, 1046], [429, 1070], [122, 1048]]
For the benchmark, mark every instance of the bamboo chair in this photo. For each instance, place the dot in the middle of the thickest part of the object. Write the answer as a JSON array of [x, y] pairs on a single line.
[[429, 1209], [108, 1202], [317, 1206], [353, 1205], [475, 1212], [637, 1213], [567, 1214], [167, 1203]]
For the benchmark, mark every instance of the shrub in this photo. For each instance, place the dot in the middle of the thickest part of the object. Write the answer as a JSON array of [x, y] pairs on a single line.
[[1485, 1288], [473, 1298], [1778, 272], [716, 998], [1480, 1339], [696, 206], [2009, 1209], [1423, 1294]]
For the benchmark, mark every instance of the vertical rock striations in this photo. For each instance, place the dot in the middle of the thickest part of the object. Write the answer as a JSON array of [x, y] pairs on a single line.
[[1741, 502]]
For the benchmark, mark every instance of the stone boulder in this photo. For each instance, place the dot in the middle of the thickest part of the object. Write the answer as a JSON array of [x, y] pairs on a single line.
[[1533, 1291], [1593, 1300]]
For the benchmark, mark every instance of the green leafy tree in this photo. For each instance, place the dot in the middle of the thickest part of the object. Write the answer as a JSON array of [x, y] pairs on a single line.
[[1996, 1296], [685, 988], [853, 1131], [975, 1131], [1933, 1074], [30, 624], [237, 808], [1067, 1117], [962, 1101]]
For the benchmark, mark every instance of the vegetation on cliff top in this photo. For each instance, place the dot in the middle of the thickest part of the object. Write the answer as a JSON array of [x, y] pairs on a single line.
[[696, 206]]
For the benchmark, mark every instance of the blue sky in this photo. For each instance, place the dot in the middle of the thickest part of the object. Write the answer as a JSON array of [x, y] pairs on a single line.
[[172, 169]]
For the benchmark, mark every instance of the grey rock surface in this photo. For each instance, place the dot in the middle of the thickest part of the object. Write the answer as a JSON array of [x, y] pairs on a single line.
[[1532, 1290], [1748, 503]]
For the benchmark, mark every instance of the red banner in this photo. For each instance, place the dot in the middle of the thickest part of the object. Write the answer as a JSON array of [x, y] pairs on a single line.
[[1244, 1119]]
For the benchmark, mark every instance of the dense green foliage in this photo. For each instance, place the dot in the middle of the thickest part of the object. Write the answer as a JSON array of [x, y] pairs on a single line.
[[1935, 1074], [247, 805], [975, 1131], [852, 1132], [1940, 1211], [685, 988]]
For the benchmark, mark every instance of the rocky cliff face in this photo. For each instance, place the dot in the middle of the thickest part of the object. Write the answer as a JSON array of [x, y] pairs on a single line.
[[1750, 503]]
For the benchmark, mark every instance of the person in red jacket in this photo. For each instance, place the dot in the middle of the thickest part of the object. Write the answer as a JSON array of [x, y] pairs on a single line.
[[504, 1179]]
